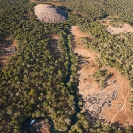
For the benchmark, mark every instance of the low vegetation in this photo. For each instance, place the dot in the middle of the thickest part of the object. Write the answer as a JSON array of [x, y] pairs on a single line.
[[102, 76]]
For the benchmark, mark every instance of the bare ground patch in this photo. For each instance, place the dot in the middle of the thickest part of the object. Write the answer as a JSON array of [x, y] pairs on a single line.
[[78, 34], [119, 29], [7, 48], [54, 44], [49, 13], [125, 28], [110, 104]]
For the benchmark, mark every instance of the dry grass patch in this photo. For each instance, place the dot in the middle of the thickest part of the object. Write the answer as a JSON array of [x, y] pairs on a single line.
[[125, 28]]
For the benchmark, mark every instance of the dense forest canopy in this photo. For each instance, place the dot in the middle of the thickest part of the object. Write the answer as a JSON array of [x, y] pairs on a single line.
[[35, 82]]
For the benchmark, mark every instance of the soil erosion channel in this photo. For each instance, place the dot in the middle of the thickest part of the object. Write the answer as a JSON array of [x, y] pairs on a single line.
[[110, 104]]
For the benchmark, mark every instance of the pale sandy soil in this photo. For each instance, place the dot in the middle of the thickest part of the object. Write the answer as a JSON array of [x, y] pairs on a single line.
[[122, 28], [49, 13], [110, 104], [117, 30]]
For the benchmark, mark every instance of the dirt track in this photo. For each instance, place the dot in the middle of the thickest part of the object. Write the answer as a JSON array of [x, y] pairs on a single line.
[[110, 104]]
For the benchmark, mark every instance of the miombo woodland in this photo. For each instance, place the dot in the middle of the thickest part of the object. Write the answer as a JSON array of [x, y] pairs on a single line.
[[35, 82]]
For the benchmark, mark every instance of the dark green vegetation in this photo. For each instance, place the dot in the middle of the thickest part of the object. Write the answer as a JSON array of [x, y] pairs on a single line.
[[101, 76], [36, 83]]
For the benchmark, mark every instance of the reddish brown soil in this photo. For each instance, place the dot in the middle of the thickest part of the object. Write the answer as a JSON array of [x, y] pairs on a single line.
[[78, 34], [42, 127], [6, 44], [35, 0], [110, 104]]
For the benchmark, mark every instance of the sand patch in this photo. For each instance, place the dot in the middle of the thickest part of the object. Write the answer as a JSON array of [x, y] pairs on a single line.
[[125, 28], [49, 13]]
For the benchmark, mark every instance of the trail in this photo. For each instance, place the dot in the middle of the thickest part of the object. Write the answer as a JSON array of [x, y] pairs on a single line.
[[121, 108]]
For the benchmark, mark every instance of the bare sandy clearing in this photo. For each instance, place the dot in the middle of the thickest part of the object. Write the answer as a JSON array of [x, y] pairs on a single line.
[[49, 13], [78, 34], [121, 28], [117, 30], [109, 104]]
